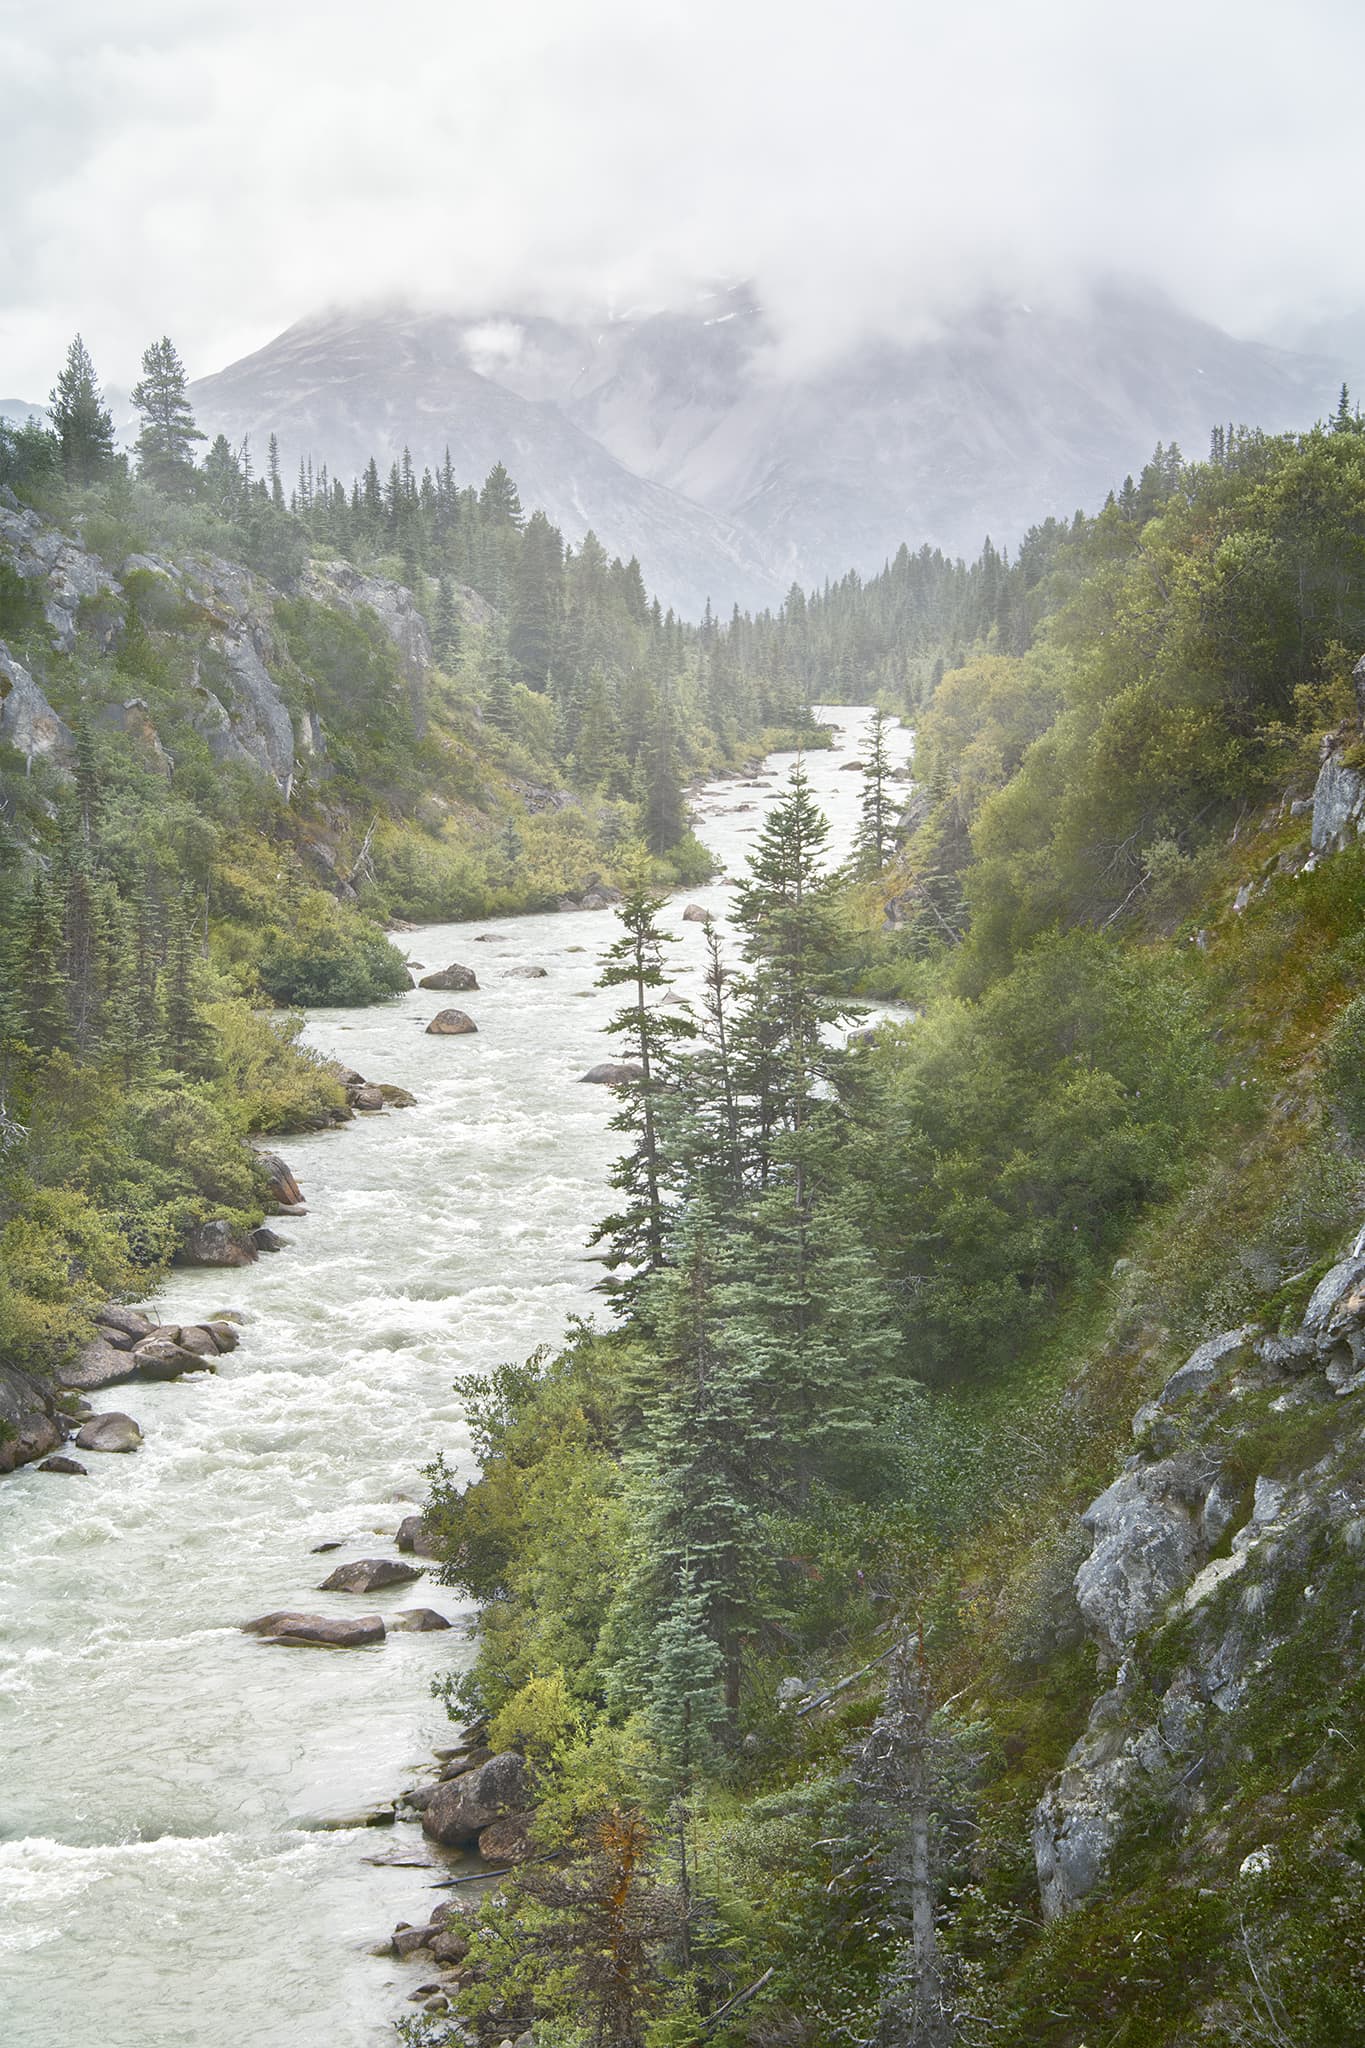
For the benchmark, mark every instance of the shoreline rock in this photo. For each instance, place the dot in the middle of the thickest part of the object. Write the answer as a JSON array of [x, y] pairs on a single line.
[[368, 1575], [318, 1631]]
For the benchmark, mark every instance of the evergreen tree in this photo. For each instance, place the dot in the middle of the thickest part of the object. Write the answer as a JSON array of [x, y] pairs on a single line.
[[876, 838], [650, 1036], [43, 1016], [165, 443], [80, 419]]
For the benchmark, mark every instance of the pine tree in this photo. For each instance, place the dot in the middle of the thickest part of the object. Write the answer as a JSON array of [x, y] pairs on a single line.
[[650, 1035], [876, 837], [80, 419], [43, 1016], [165, 444]]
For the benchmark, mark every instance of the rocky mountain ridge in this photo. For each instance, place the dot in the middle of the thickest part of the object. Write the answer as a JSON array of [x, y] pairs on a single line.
[[685, 436]]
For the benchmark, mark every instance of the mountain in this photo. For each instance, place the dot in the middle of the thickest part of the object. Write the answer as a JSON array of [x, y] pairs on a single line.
[[18, 410], [683, 436]]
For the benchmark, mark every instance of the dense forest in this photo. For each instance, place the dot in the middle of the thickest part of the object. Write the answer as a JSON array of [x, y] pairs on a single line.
[[233, 746], [782, 1571]]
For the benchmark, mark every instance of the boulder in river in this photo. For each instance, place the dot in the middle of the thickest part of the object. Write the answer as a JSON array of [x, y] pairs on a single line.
[[267, 1240], [414, 1538], [453, 977], [122, 1327], [217, 1243], [162, 1358], [459, 1810], [450, 1024], [283, 1187], [32, 1427], [695, 913], [368, 1574], [194, 1337], [418, 1620], [97, 1364], [367, 1098], [508, 1841], [614, 1073], [396, 1097], [63, 1464], [524, 974], [111, 1431], [223, 1333], [324, 1631]]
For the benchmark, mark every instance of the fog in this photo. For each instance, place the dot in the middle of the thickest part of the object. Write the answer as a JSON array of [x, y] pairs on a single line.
[[219, 170]]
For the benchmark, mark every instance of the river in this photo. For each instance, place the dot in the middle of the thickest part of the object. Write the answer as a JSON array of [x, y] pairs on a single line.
[[163, 1882]]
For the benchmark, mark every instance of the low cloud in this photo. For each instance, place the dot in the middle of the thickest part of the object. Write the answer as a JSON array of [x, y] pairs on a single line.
[[218, 171]]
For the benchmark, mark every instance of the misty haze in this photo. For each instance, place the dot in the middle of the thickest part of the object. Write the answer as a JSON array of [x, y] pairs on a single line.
[[682, 1014]]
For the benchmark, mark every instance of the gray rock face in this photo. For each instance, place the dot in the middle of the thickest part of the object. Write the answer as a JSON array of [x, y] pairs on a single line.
[[97, 1364], [1338, 800], [461, 1808], [217, 1243], [368, 1574], [341, 583], [111, 1431], [1214, 1358], [452, 977], [28, 722], [321, 1631], [451, 1024], [65, 576], [31, 1428], [414, 1538], [1148, 1543]]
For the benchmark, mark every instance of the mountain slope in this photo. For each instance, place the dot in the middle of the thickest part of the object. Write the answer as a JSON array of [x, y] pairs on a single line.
[[343, 388], [685, 436]]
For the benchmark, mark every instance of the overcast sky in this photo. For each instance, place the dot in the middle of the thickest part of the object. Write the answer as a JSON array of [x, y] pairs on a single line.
[[216, 169]]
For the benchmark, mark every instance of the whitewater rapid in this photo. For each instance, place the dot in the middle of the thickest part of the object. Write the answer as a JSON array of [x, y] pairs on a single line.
[[163, 1882]]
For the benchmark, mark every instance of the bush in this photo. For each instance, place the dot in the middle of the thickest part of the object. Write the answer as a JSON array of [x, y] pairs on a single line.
[[329, 959]]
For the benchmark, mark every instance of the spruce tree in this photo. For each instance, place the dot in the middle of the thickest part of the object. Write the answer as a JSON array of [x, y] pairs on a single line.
[[80, 419], [876, 837], [165, 444]]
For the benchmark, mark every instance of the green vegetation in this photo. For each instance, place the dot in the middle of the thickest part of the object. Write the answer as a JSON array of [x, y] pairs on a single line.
[[886, 1314]]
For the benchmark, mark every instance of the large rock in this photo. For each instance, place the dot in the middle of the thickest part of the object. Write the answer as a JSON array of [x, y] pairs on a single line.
[[322, 1631], [1149, 1542], [508, 1841], [418, 1620], [111, 1431], [68, 1465], [1210, 1362], [1338, 799], [452, 977], [414, 1538], [369, 1098], [162, 1358], [28, 722], [97, 1364], [450, 1024], [696, 913], [29, 1426], [524, 974], [460, 1809], [123, 1327], [217, 1243], [368, 1574], [614, 1073], [280, 1181], [396, 1097]]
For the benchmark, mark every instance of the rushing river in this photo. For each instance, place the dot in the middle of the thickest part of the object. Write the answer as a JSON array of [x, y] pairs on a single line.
[[163, 1880]]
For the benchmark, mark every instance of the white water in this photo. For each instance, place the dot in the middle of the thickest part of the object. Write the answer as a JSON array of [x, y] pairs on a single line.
[[157, 1882]]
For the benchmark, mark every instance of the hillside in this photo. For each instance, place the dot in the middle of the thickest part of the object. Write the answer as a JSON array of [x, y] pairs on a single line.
[[934, 1606], [686, 438]]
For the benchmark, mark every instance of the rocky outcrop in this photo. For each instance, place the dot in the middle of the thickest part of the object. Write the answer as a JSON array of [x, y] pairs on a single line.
[[453, 977], [28, 722], [1182, 1541], [283, 1189], [111, 1431], [461, 1808], [395, 607], [74, 588], [1338, 798], [451, 1024], [319, 1631], [29, 1424], [216, 1242], [368, 1574]]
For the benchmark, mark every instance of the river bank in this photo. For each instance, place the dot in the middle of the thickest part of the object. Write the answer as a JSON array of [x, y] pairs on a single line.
[[165, 1774]]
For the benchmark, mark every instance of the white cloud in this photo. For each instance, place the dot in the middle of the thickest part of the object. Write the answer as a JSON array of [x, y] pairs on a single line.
[[218, 170]]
